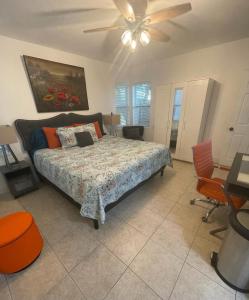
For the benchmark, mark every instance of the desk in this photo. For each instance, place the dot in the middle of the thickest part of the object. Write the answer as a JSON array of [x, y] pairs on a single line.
[[237, 182]]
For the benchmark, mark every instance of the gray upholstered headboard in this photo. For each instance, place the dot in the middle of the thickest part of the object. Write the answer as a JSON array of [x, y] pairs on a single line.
[[25, 127]]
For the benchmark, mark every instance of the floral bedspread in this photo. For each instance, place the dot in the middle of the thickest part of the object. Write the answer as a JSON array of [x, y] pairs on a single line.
[[100, 174]]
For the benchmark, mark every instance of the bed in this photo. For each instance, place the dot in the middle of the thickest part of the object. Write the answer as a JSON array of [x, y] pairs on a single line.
[[98, 176]]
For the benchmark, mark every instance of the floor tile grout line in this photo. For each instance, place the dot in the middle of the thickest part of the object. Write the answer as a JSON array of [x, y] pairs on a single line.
[[210, 278], [135, 258], [8, 285], [184, 262], [123, 221], [149, 239], [128, 266], [196, 236], [164, 218], [119, 278], [67, 272], [100, 243], [206, 239], [145, 282]]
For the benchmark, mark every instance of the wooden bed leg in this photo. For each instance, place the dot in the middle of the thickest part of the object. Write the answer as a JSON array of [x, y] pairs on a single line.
[[96, 224], [162, 171]]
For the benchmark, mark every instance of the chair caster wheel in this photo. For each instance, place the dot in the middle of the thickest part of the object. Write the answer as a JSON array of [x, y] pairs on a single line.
[[192, 202], [204, 219]]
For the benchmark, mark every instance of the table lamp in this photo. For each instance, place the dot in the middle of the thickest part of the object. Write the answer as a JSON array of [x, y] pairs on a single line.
[[112, 121], [7, 136]]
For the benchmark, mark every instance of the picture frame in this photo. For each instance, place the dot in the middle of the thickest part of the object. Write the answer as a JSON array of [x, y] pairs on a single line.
[[56, 87]]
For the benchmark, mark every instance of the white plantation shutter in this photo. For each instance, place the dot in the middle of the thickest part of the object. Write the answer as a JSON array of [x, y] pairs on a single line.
[[137, 110], [122, 102], [141, 101]]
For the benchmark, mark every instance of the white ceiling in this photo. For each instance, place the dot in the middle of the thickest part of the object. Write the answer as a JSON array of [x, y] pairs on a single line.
[[59, 24]]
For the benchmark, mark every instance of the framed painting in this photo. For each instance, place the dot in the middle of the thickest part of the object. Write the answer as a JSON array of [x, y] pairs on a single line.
[[56, 86]]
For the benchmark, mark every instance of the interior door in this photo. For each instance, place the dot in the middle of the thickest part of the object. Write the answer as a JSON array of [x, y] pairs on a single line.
[[195, 96], [239, 130], [162, 114]]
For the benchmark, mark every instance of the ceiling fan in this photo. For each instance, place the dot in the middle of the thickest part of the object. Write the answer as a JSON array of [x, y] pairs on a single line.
[[137, 23]]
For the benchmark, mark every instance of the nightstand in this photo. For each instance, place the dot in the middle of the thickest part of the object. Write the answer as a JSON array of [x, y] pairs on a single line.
[[20, 178]]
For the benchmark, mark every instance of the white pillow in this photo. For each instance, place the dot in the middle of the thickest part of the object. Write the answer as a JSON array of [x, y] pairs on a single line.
[[67, 134]]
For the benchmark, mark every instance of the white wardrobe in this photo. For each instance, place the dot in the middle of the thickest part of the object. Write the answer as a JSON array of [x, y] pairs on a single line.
[[180, 115]]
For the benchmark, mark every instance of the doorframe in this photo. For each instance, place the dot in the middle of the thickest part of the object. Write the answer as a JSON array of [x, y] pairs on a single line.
[[178, 85], [234, 118]]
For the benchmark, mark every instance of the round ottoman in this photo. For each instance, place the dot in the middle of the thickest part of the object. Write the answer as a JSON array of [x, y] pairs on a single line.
[[20, 242]]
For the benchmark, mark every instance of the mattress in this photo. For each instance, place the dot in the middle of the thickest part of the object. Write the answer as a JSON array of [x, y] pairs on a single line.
[[97, 175]]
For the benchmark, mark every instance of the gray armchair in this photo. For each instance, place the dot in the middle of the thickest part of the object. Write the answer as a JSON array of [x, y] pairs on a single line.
[[133, 132]]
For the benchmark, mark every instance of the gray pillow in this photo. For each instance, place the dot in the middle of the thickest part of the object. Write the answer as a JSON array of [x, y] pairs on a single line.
[[84, 138]]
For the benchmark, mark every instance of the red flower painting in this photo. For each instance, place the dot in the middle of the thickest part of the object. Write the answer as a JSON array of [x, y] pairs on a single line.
[[75, 99], [56, 87]]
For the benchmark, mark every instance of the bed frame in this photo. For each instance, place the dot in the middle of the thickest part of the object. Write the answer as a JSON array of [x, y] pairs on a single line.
[[26, 127]]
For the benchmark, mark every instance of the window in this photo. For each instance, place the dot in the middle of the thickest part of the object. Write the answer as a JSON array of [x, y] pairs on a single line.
[[122, 102], [141, 99], [134, 110]]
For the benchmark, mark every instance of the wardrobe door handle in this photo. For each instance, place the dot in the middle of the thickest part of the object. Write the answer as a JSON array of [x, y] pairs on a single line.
[[231, 129]]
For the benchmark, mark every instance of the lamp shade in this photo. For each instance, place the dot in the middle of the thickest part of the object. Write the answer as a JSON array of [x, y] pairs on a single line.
[[7, 135], [111, 119]]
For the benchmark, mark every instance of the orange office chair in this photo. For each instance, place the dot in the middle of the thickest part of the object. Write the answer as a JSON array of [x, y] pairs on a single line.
[[211, 188]]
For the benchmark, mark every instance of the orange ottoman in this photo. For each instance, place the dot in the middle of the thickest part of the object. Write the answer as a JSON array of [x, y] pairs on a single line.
[[20, 242]]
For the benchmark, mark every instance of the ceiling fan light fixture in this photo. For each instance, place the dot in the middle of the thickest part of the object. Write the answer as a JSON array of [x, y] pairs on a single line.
[[133, 45], [126, 37], [145, 37]]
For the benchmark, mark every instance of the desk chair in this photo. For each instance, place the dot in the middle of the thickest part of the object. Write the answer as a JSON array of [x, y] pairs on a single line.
[[211, 188]]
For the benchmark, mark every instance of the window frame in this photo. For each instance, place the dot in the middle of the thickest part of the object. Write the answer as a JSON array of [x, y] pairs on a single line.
[[130, 86], [150, 106], [128, 100]]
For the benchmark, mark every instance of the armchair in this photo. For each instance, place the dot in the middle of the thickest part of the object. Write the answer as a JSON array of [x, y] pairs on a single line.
[[133, 132]]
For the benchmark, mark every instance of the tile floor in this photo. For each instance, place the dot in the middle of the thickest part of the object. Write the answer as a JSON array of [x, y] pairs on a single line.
[[153, 246]]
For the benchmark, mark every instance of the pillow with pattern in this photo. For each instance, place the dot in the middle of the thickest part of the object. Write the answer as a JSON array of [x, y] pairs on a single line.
[[91, 128], [67, 134]]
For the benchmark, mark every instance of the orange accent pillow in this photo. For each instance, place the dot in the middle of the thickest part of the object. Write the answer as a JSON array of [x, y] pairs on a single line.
[[52, 137], [97, 128]]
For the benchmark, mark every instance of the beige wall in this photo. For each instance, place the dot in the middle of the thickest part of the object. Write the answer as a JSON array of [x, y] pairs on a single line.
[[16, 99], [224, 63]]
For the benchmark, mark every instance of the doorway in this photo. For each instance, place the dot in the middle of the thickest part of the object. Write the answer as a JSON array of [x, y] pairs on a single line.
[[176, 114], [238, 129]]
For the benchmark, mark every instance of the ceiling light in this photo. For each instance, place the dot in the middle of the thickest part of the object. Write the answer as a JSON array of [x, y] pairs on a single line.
[[145, 37], [133, 45], [126, 37]]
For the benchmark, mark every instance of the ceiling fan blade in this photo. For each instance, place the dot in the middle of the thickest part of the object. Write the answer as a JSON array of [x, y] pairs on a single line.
[[139, 7], [168, 13], [158, 35], [126, 9], [104, 29], [60, 12]]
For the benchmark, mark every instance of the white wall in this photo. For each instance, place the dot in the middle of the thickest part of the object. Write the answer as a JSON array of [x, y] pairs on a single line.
[[224, 63], [16, 98]]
